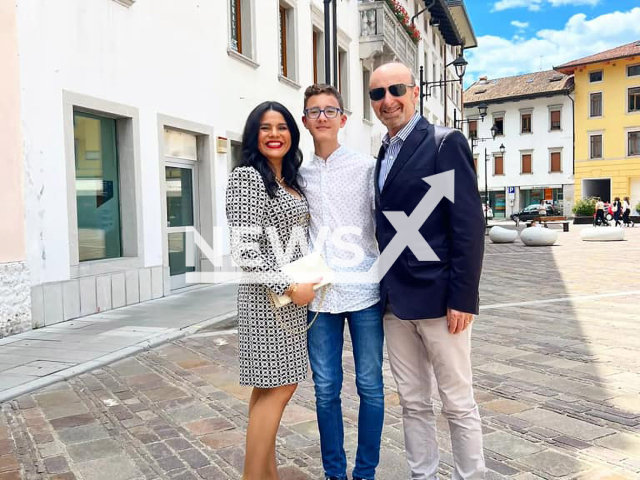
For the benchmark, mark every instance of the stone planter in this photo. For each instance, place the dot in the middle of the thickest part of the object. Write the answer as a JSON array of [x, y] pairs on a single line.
[[602, 234], [538, 237], [502, 235]]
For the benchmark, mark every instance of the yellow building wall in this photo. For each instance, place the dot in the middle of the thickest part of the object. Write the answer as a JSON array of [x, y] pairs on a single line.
[[614, 124]]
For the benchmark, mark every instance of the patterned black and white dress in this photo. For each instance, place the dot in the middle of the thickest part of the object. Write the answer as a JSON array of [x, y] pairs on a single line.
[[272, 351]]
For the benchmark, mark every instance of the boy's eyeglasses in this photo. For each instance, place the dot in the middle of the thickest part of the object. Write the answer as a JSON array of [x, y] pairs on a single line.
[[397, 90], [329, 112]]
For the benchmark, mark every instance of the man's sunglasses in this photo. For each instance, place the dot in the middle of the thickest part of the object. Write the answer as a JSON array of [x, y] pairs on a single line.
[[397, 90]]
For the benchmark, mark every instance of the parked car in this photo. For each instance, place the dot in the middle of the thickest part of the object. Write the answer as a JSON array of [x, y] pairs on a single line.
[[489, 210], [533, 211]]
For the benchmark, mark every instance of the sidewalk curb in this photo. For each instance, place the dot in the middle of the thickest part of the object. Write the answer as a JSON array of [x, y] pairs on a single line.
[[109, 358]]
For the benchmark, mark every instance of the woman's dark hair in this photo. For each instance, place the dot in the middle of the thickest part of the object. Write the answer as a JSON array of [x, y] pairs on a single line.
[[251, 156]]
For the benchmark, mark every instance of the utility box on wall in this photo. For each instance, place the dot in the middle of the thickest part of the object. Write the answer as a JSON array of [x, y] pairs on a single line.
[[221, 144]]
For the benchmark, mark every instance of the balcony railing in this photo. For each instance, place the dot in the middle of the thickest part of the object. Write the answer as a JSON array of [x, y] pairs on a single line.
[[383, 37]]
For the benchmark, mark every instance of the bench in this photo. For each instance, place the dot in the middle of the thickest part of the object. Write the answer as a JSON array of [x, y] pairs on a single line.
[[553, 220]]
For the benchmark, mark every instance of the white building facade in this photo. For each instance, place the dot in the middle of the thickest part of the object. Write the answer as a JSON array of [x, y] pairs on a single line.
[[533, 115], [15, 291], [132, 114]]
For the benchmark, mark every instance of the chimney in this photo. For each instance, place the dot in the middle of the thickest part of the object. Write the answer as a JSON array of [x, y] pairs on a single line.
[[483, 80]]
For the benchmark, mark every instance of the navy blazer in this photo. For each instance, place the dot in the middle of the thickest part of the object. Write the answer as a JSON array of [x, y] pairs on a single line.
[[455, 231]]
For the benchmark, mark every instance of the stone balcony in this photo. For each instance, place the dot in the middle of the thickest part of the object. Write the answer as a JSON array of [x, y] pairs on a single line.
[[383, 38]]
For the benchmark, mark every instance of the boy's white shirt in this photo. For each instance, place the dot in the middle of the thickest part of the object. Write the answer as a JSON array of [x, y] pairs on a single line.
[[341, 196]]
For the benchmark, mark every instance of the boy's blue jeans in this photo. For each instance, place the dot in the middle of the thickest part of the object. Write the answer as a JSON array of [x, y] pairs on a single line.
[[325, 340]]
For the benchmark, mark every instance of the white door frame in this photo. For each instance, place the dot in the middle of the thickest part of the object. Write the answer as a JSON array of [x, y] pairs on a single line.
[[179, 281]]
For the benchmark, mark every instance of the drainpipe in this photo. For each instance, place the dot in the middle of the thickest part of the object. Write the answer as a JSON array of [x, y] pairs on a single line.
[[573, 124], [444, 67], [427, 7], [461, 106], [335, 43], [327, 42]]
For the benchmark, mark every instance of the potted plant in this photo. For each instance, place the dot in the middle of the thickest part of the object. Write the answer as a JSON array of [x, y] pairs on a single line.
[[584, 208], [403, 17]]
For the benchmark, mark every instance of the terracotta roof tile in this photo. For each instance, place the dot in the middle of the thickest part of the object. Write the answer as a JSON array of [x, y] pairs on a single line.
[[528, 85], [628, 50]]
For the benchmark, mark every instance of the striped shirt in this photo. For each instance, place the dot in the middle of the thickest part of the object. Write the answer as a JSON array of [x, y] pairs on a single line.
[[392, 148]]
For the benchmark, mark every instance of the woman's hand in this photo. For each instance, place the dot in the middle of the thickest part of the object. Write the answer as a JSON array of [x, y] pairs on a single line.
[[303, 294]]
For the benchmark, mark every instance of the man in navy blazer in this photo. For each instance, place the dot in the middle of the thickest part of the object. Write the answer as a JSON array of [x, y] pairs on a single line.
[[429, 304]]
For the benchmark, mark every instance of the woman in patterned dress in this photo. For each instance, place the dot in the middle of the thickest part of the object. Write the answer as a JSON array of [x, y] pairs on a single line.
[[264, 198]]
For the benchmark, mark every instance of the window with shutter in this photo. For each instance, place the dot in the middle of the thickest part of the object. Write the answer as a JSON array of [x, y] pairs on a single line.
[[634, 143], [236, 25], [595, 105], [526, 123], [595, 148], [283, 41], [555, 120], [555, 162], [473, 129], [634, 99], [498, 165]]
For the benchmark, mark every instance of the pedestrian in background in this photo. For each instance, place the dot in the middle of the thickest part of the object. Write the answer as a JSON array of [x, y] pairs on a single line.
[[599, 220], [626, 211], [617, 210]]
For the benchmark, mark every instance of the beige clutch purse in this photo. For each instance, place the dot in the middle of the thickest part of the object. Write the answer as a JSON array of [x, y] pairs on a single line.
[[305, 270]]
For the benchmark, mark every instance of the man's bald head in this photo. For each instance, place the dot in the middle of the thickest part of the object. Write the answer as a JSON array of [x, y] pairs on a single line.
[[394, 69], [394, 111]]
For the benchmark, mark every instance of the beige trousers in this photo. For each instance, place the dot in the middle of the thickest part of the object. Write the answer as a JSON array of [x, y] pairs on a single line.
[[417, 348]]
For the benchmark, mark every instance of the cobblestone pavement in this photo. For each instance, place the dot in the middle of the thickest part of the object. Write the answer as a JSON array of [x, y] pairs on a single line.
[[557, 377]]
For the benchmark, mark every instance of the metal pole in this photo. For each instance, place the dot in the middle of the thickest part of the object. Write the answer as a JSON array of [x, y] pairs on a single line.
[[421, 90], [473, 145], [486, 191], [445, 88], [335, 43], [327, 42]]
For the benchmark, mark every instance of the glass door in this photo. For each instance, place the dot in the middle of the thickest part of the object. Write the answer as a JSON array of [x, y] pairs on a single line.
[[180, 215]]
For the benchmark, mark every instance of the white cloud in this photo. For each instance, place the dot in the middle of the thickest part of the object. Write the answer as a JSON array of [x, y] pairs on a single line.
[[560, 3], [532, 5], [536, 5], [521, 25], [501, 57]]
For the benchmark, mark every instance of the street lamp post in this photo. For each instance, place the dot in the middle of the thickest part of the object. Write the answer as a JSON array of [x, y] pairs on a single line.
[[482, 112], [331, 6], [486, 190], [474, 142], [460, 64]]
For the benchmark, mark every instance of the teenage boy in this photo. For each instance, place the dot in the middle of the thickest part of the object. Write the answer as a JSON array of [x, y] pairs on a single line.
[[339, 186]]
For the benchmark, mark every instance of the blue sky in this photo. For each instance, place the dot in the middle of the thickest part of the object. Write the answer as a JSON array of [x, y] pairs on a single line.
[[521, 36]]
